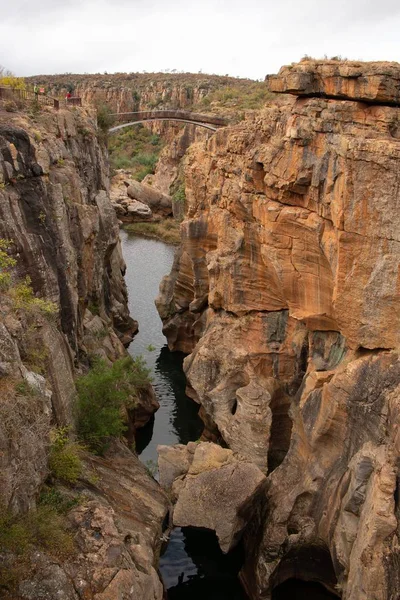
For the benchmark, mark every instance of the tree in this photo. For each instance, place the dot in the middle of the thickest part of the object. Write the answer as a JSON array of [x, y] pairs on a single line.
[[7, 78]]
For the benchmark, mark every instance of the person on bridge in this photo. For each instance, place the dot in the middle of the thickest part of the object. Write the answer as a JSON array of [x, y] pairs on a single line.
[[67, 97]]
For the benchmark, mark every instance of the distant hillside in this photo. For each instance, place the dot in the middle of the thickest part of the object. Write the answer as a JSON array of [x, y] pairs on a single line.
[[126, 92]]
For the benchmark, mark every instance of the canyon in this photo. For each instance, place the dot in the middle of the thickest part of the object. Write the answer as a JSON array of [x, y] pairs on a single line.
[[284, 297]]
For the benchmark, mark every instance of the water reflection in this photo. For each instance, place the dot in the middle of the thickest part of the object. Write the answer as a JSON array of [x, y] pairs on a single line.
[[212, 573], [185, 421]]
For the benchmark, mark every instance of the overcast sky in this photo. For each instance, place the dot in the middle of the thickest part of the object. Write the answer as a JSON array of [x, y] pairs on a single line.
[[249, 38]]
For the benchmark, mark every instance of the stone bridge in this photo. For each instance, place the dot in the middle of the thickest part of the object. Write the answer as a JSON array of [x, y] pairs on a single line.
[[181, 116]]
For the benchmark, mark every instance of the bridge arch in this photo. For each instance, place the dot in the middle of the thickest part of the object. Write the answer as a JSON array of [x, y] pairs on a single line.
[[133, 118], [205, 125]]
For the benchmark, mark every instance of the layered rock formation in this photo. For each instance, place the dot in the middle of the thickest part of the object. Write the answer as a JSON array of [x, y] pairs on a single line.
[[61, 229], [286, 293], [374, 82]]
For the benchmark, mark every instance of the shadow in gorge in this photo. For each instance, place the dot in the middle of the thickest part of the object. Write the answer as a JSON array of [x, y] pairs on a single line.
[[185, 418], [296, 589], [213, 575], [177, 419], [305, 573], [144, 436]]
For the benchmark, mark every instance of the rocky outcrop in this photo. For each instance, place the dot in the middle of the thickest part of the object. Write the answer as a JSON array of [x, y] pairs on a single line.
[[62, 232], [126, 208], [55, 209], [168, 175], [160, 204], [117, 531], [373, 82], [286, 294], [213, 488]]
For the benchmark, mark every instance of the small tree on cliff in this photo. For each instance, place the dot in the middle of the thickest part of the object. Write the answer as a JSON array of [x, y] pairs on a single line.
[[104, 396], [105, 120]]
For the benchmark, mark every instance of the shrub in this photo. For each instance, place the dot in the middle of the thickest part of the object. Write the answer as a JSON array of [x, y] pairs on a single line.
[[23, 296], [143, 172], [8, 79], [55, 499], [6, 264], [64, 459], [136, 149], [10, 106], [179, 195], [167, 230], [105, 120], [42, 528], [104, 395]]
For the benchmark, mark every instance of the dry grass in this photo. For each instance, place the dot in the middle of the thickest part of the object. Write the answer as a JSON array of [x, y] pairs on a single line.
[[168, 230]]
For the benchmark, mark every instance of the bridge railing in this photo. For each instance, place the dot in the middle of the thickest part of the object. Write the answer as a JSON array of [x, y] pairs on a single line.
[[9, 93], [74, 101]]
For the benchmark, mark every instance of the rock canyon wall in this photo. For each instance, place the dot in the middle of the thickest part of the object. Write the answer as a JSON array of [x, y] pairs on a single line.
[[286, 295], [61, 229]]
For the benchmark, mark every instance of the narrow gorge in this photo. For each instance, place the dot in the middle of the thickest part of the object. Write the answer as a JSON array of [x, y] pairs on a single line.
[[277, 445]]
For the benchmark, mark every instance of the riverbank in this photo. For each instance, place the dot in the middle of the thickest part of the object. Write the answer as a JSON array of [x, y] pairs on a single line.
[[166, 230]]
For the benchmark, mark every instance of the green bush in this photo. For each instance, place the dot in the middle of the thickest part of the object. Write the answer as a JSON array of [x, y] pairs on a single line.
[[54, 498], [179, 195], [64, 458], [105, 120], [104, 395], [135, 148], [6, 264], [23, 296]]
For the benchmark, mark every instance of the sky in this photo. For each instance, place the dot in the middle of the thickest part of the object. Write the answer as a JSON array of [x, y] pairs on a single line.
[[247, 38]]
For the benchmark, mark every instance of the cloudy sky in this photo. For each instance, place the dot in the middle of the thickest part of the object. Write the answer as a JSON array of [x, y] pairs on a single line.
[[247, 38]]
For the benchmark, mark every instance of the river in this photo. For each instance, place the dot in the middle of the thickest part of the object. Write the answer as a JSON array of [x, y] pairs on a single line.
[[193, 567]]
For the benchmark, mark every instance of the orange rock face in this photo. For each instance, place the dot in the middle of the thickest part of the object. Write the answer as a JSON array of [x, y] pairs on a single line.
[[376, 82], [286, 293]]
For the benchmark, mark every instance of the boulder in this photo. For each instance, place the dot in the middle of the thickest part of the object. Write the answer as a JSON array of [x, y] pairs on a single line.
[[219, 490], [139, 210], [159, 203]]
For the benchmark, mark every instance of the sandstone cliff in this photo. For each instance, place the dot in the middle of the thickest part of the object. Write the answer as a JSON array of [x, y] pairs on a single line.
[[286, 294], [62, 232]]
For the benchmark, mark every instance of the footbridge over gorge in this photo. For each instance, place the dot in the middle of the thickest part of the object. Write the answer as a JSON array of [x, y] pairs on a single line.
[[181, 116]]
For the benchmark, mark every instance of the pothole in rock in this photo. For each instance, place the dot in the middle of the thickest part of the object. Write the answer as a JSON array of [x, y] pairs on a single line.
[[296, 589], [305, 573]]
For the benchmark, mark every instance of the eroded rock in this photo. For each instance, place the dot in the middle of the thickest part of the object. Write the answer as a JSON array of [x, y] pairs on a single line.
[[286, 293], [375, 82], [218, 491]]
